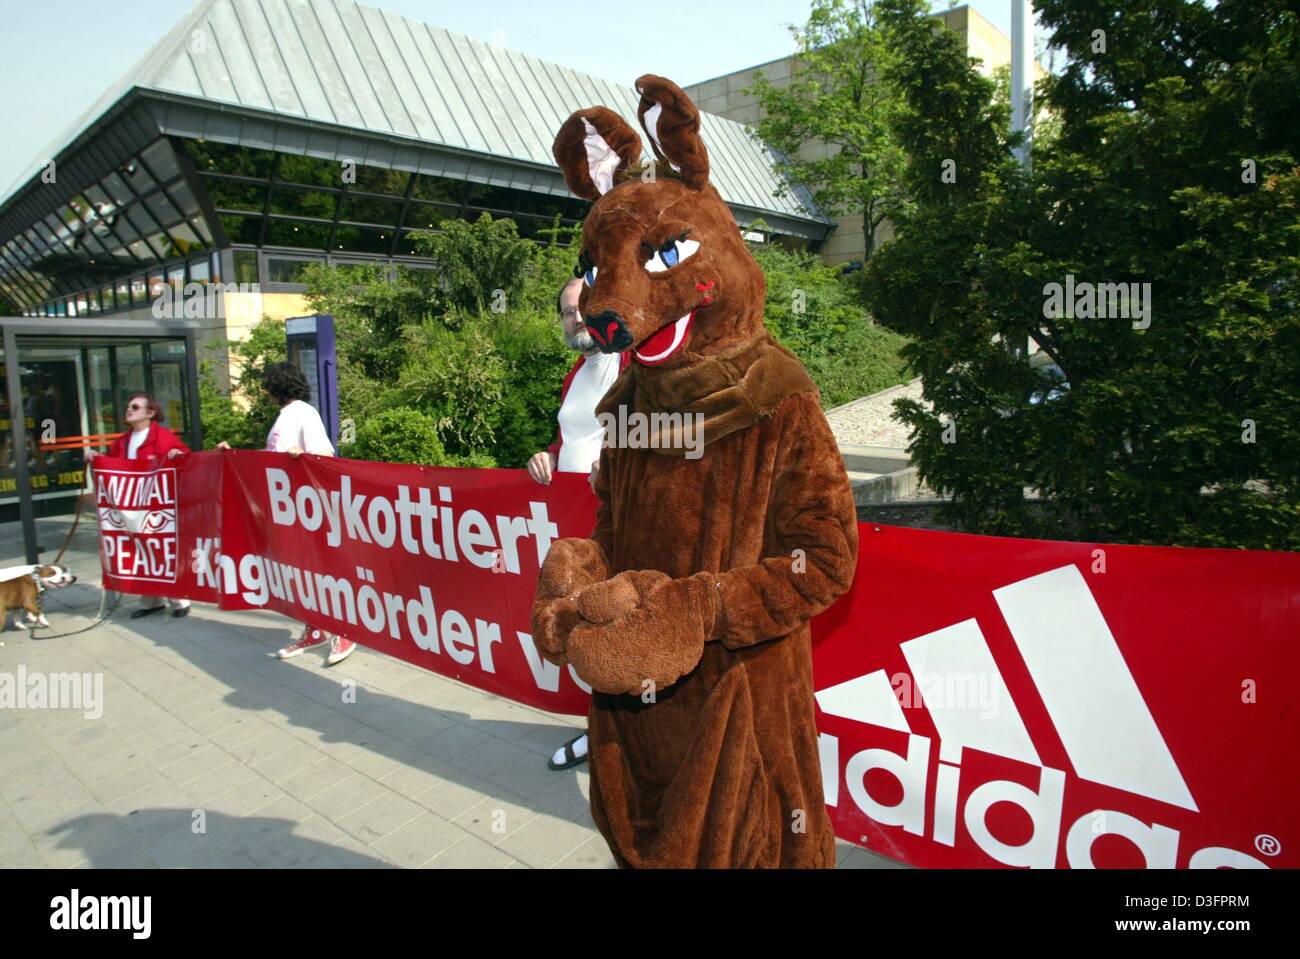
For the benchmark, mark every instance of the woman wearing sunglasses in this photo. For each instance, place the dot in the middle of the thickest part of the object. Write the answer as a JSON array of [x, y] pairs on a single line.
[[148, 441]]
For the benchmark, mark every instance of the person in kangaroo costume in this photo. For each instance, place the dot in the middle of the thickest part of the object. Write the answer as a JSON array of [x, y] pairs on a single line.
[[687, 610]]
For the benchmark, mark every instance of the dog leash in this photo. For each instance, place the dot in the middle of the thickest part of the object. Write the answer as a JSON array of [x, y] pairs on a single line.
[[67, 540], [105, 610], [100, 617]]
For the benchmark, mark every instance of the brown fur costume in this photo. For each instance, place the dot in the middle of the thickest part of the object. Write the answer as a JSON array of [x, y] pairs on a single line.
[[687, 610]]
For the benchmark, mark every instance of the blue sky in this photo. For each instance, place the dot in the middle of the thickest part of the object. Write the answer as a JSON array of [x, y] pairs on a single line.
[[58, 56]]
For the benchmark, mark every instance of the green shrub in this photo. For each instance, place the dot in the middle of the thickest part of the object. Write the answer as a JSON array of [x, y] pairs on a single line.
[[536, 360], [398, 435], [458, 378], [472, 461], [817, 314]]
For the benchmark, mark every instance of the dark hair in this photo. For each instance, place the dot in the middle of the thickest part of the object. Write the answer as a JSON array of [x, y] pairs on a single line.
[[285, 382], [149, 402]]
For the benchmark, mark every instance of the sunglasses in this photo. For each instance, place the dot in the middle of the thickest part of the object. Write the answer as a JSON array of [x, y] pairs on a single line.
[[131, 407]]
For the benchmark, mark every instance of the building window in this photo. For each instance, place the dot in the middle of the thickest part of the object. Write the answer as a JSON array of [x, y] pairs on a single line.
[[438, 189], [237, 196], [241, 229], [355, 239], [286, 270], [245, 266], [305, 234], [210, 157], [296, 201], [309, 171], [365, 209]]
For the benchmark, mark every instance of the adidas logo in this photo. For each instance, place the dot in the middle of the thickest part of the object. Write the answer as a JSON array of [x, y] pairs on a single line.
[[1089, 695]]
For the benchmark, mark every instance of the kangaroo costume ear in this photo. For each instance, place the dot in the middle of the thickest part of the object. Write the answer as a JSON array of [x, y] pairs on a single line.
[[672, 122], [591, 147]]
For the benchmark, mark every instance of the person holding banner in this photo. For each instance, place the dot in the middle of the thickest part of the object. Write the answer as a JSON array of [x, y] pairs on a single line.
[[297, 430], [149, 442], [578, 436]]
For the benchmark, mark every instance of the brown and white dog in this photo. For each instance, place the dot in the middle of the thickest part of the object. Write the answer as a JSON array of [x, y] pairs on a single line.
[[21, 587]]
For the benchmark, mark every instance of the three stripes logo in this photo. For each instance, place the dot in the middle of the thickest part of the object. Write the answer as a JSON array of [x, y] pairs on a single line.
[[1090, 697]]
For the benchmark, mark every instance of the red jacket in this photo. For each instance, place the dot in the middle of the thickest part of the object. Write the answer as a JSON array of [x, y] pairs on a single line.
[[624, 359], [153, 451]]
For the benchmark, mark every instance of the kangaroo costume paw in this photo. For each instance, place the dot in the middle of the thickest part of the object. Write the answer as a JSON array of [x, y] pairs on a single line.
[[607, 601], [571, 566], [644, 645]]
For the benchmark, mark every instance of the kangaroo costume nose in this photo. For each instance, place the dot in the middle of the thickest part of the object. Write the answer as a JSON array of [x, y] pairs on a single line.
[[610, 332]]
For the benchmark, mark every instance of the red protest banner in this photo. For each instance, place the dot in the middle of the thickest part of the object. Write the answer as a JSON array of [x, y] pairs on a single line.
[[982, 701], [987, 701], [436, 566], [154, 522]]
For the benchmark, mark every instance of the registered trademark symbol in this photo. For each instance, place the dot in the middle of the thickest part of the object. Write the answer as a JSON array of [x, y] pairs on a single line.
[[1267, 844]]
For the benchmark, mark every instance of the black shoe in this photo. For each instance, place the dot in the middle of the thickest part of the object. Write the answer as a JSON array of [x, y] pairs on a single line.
[[180, 613], [571, 758], [142, 613]]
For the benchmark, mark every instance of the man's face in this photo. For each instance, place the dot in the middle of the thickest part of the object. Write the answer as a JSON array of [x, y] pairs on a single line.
[[575, 331]]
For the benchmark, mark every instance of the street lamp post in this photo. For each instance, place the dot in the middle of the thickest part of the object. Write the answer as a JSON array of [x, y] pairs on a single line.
[[1022, 78]]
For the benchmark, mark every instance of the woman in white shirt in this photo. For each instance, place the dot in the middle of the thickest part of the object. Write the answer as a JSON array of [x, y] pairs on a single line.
[[297, 430]]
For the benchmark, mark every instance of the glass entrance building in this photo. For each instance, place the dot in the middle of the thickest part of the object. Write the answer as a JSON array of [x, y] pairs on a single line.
[[257, 137]]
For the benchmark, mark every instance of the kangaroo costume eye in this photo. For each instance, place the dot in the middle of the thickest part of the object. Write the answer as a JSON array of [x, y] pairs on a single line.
[[670, 254], [586, 269]]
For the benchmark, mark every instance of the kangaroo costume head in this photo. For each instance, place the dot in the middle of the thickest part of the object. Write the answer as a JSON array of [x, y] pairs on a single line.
[[667, 274]]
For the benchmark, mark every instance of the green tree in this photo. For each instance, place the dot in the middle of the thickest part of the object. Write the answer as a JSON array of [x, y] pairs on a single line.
[[833, 123], [245, 419], [1174, 164], [481, 265], [371, 310], [816, 313]]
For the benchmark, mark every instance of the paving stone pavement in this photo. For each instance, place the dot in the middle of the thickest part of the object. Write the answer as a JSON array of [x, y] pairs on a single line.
[[211, 753]]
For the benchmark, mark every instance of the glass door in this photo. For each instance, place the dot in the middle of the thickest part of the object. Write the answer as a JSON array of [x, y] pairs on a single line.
[[72, 394], [167, 376], [54, 411]]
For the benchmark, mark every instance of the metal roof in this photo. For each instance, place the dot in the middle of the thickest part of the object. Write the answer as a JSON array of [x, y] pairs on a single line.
[[339, 64]]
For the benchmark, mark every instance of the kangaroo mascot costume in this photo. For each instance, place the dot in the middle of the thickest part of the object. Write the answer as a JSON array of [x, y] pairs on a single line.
[[687, 610]]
